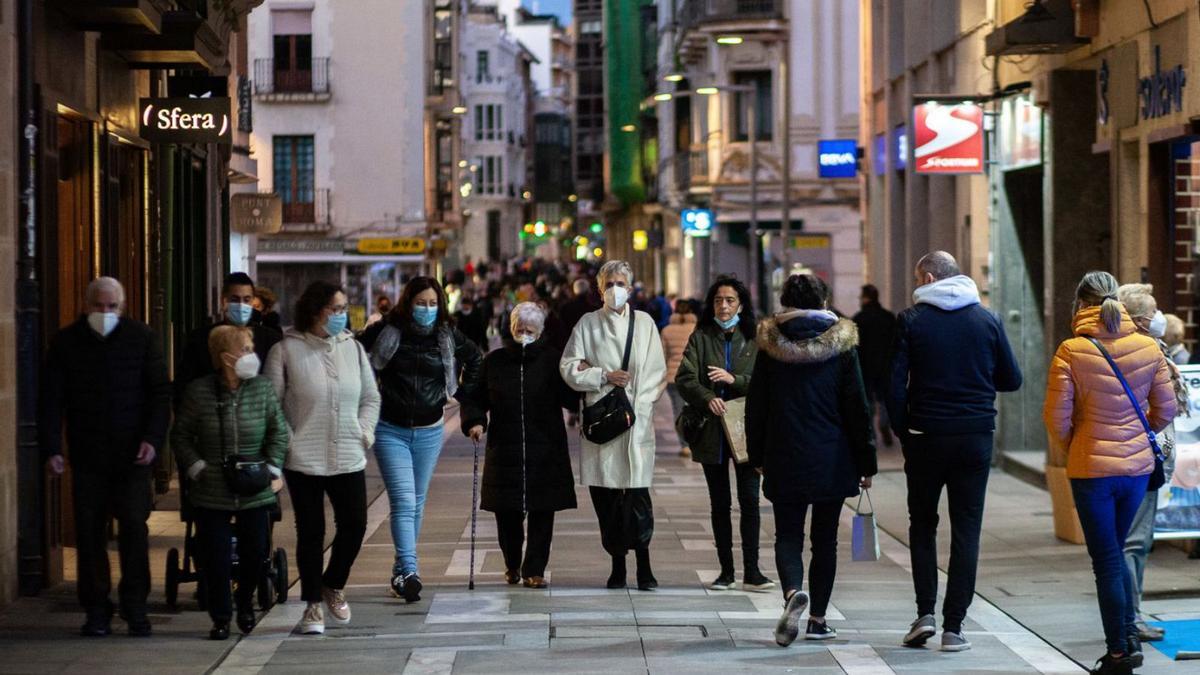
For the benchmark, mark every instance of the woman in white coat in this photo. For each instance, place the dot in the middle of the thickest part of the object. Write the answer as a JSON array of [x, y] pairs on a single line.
[[324, 379], [618, 473]]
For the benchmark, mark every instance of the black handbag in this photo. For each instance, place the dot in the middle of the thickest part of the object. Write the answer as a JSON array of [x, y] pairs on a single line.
[[612, 415], [1158, 477], [245, 476], [690, 424]]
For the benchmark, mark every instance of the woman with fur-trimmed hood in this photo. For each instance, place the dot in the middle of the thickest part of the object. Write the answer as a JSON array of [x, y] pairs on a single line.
[[808, 430]]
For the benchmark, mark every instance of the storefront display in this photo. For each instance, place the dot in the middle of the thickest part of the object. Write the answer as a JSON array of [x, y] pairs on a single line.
[[1179, 500]]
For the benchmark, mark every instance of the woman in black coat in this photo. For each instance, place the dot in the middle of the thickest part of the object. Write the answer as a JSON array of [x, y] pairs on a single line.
[[527, 468], [808, 429]]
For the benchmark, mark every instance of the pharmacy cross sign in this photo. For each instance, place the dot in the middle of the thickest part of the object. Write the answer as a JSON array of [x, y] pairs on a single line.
[[186, 120], [1161, 92]]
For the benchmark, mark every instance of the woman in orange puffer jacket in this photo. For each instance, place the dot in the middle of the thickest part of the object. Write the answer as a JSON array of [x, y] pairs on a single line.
[[1109, 459]]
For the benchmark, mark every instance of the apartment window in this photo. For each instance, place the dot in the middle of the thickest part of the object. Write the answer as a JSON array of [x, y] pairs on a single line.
[[291, 32], [491, 175], [293, 169], [482, 71], [489, 122], [760, 98], [589, 27]]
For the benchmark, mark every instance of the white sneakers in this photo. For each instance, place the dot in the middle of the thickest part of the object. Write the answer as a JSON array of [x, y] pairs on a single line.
[[313, 622], [335, 602]]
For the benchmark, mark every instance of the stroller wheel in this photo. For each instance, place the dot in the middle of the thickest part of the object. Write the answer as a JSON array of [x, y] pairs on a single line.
[[281, 575], [172, 588], [266, 592]]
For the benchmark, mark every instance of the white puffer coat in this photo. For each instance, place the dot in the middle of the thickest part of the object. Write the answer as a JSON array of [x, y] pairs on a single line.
[[330, 400]]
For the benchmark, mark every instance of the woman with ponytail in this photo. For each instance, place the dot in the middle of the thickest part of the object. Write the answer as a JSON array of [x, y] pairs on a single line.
[[1090, 418]]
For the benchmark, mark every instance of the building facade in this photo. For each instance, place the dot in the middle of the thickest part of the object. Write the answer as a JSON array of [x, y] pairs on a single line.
[[356, 134], [1090, 141]]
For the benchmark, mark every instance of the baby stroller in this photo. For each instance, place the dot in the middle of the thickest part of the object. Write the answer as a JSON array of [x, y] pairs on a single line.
[[272, 588]]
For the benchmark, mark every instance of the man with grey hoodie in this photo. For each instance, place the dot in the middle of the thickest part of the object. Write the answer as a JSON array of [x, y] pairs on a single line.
[[951, 357]]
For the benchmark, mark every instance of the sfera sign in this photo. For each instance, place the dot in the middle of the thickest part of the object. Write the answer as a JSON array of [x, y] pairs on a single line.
[[186, 120], [948, 137], [837, 158]]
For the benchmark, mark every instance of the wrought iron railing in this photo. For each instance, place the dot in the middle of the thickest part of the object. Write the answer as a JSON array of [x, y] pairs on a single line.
[[272, 76]]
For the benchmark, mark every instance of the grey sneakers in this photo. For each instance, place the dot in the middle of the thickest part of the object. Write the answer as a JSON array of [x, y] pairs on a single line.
[[954, 642], [335, 602], [922, 629], [788, 628]]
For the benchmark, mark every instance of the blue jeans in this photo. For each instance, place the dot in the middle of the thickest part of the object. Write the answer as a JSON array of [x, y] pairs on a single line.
[[407, 458], [1106, 509]]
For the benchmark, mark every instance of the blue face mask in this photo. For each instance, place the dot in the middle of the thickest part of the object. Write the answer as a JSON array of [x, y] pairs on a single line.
[[336, 323], [728, 325], [425, 316], [238, 314]]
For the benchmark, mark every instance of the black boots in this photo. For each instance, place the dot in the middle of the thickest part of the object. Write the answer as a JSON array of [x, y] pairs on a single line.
[[645, 577], [617, 578]]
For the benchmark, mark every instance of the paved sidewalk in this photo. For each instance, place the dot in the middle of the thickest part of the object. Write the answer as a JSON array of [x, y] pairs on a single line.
[[1039, 587]]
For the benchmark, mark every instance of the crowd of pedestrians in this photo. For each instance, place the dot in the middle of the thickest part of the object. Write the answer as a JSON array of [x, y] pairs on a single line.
[[257, 407]]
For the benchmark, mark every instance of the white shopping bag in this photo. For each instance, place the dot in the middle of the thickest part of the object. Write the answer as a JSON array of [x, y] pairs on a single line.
[[865, 534]]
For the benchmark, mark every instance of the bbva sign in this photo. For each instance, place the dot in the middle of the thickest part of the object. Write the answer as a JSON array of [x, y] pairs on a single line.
[[186, 120]]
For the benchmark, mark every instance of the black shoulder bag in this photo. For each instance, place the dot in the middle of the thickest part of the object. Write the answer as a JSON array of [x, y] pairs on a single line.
[[612, 415], [245, 476], [1158, 477]]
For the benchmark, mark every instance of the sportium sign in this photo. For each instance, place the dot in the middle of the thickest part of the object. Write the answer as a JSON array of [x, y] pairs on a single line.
[[186, 120], [948, 137]]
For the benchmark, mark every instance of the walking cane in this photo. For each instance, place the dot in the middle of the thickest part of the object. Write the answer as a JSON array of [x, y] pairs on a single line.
[[474, 512]]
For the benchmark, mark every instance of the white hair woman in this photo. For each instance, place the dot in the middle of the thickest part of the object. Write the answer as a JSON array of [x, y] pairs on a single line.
[[618, 470], [527, 467]]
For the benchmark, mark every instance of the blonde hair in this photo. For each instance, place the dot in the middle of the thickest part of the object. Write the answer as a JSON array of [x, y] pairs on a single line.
[[1138, 300], [608, 269], [225, 339], [1175, 330], [1099, 288]]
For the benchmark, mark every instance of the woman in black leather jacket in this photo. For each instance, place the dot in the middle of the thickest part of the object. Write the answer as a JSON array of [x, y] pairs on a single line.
[[422, 361]]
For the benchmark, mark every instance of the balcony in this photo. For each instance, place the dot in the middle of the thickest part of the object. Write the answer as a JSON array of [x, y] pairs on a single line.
[[700, 19], [691, 169], [187, 41], [306, 84], [307, 216], [115, 16]]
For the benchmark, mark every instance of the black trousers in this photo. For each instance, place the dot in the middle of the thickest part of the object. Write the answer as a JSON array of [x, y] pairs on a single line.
[[123, 494], [510, 528], [789, 549], [214, 538], [717, 477], [626, 518], [960, 464], [348, 496]]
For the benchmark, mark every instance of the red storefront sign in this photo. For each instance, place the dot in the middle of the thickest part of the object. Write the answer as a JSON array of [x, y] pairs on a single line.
[[948, 137]]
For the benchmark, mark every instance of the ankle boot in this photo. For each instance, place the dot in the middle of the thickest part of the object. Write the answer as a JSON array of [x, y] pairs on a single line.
[[617, 578], [645, 577]]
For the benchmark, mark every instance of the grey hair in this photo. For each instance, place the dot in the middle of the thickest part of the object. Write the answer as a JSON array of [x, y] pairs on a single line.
[[613, 267], [100, 284], [581, 286], [527, 313], [940, 264], [1099, 288], [1138, 300]]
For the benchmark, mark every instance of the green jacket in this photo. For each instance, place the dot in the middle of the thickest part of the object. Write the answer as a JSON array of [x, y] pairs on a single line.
[[253, 413], [706, 348]]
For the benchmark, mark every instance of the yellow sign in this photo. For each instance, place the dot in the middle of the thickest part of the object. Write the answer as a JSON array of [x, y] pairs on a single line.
[[811, 241], [641, 240], [398, 246]]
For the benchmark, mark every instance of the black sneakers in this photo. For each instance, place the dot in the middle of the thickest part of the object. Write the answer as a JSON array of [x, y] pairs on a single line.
[[98, 623], [725, 582], [757, 582], [412, 587], [788, 627], [1113, 665], [819, 631]]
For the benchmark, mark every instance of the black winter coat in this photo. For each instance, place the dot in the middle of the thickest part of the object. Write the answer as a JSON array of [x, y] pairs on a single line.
[[808, 425], [524, 396], [197, 361], [413, 383], [111, 392], [876, 333]]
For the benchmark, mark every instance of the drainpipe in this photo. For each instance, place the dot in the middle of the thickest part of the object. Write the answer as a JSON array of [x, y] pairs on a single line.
[[30, 474]]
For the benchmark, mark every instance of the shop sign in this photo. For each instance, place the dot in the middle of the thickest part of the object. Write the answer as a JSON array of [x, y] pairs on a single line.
[[810, 241], [641, 240], [252, 213], [396, 246], [1161, 93], [1020, 133], [879, 155], [245, 105], [900, 148], [301, 246], [948, 137], [697, 222], [837, 158], [186, 120]]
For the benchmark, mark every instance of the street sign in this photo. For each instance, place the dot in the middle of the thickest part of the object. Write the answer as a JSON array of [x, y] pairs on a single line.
[[948, 137], [837, 158], [396, 246], [186, 120], [253, 213], [697, 222]]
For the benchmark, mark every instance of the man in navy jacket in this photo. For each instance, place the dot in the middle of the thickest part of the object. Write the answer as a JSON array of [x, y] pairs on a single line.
[[951, 356]]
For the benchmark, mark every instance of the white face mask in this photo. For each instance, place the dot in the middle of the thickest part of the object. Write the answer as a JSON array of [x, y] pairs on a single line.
[[616, 297], [526, 339], [246, 367], [103, 322], [1158, 325]]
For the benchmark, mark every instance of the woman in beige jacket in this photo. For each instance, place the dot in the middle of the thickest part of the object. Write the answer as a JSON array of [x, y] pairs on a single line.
[[675, 341]]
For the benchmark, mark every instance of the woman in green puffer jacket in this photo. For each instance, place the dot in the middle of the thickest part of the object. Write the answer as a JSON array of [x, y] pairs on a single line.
[[234, 412]]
